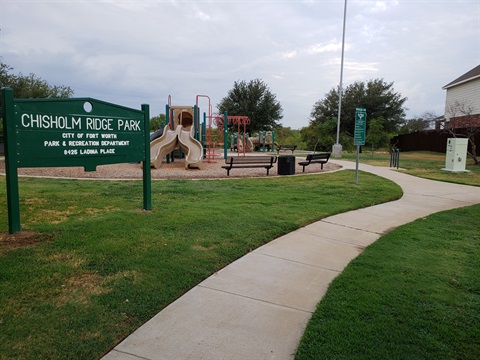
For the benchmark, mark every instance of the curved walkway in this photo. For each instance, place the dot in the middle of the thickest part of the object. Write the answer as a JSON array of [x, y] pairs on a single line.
[[258, 306]]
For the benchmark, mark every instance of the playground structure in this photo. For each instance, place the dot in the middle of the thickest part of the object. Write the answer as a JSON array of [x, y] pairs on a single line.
[[241, 143], [239, 121], [179, 133], [211, 140], [201, 142], [263, 141]]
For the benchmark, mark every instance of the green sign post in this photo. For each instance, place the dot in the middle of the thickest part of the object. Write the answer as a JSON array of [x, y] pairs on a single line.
[[360, 126], [359, 134], [71, 132]]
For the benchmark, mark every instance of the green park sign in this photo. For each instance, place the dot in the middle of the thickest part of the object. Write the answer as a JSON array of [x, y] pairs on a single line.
[[359, 134], [71, 132], [360, 126]]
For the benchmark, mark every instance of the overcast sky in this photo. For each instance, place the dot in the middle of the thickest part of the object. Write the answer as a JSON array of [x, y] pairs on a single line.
[[135, 52]]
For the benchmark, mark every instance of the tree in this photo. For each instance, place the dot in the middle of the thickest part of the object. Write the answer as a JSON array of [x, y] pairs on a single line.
[[158, 122], [376, 135], [255, 100], [376, 96], [421, 123], [31, 86], [320, 137], [461, 117], [289, 136]]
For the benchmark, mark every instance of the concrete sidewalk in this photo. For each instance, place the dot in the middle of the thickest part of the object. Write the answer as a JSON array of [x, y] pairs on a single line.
[[258, 306]]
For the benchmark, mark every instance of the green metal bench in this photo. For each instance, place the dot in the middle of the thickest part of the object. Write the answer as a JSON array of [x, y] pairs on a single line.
[[249, 162], [321, 159]]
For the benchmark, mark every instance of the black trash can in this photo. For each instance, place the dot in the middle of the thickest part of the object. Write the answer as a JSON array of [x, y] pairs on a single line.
[[286, 165]]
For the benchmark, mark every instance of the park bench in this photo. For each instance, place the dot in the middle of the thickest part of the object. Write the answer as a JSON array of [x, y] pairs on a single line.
[[286, 147], [321, 158], [249, 162]]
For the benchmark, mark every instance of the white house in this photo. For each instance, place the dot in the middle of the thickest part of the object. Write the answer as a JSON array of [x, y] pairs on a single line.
[[462, 104]]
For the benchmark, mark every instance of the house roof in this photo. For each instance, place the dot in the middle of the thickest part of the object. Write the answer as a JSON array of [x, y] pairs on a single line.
[[470, 75]]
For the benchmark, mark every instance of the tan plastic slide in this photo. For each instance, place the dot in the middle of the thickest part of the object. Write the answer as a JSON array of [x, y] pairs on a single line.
[[162, 146], [190, 146], [166, 143]]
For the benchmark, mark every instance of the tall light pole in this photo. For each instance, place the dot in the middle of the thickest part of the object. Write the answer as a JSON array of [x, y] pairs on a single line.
[[337, 148]]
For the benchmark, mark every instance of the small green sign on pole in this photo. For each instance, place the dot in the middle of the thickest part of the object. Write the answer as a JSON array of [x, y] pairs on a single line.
[[359, 134], [360, 126], [71, 132]]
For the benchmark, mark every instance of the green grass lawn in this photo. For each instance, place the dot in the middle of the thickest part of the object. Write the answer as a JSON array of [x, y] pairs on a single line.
[[90, 266], [413, 294], [423, 164]]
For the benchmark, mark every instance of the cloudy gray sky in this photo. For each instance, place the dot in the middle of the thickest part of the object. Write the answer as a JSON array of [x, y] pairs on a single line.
[[133, 52]]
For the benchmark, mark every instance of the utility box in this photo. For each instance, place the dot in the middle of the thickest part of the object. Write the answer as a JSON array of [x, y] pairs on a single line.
[[456, 156]]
